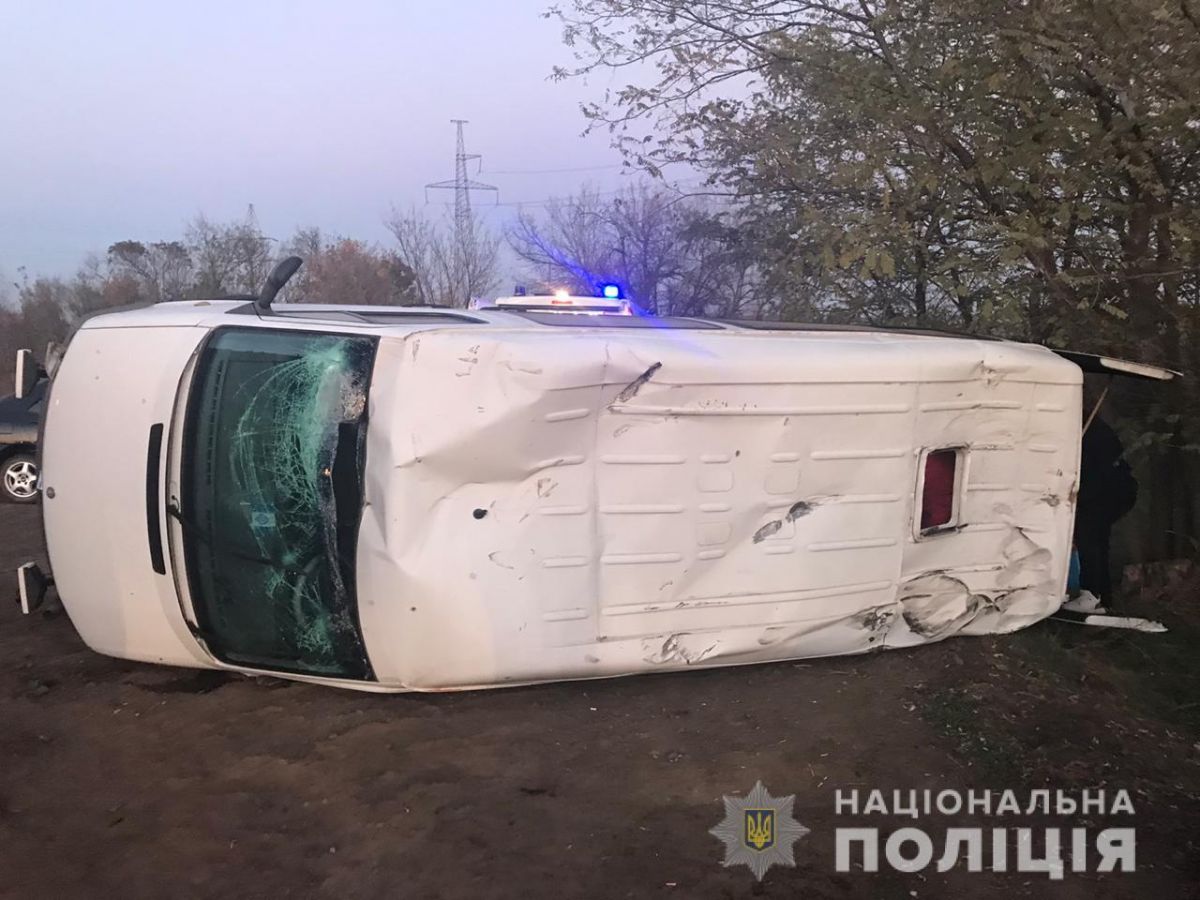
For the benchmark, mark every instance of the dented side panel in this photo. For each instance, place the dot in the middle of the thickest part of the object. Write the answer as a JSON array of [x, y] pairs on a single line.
[[553, 504]]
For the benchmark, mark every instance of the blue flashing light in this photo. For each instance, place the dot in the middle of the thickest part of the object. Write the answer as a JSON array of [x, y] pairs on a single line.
[[611, 291]]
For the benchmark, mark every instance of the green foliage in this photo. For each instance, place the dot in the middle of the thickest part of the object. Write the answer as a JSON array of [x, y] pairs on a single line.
[[1029, 169]]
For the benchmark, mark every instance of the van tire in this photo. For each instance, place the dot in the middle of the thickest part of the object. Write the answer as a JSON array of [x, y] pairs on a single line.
[[18, 478]]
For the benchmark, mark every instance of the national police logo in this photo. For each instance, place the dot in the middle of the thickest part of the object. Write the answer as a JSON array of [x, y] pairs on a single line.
[[758, 831]]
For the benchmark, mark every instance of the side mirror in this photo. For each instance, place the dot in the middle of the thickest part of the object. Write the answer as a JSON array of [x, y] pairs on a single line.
[[279, 276], [28, 372]]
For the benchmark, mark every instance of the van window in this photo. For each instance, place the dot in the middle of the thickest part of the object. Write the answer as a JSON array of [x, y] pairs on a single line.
[[271, 497], [939, 493]]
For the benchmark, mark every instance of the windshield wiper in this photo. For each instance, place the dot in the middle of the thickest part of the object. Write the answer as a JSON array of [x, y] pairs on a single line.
[[192, 529]]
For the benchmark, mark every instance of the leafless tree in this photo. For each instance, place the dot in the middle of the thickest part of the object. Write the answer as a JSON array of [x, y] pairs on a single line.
[[228, 257], [448, 269], [163, 268], [670, 253]]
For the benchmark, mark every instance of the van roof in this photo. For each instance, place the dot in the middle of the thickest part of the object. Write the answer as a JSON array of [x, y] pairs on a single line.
[[209, 311], [394, 318]]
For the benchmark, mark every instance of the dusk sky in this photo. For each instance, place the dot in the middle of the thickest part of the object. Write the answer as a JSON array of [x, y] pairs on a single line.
[[122, 120]]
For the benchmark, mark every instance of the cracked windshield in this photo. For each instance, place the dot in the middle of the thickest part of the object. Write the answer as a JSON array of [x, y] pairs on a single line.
[[275, 432]]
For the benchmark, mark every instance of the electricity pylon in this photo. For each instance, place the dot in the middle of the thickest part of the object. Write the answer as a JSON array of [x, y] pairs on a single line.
[[462, 186]]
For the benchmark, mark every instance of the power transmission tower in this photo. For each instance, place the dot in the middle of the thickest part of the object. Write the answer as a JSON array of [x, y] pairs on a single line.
[[462, 186]]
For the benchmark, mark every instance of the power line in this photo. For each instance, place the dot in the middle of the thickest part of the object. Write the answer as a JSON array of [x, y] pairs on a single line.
[[674, 187], [548, 200], [545, 200], [549, 171]]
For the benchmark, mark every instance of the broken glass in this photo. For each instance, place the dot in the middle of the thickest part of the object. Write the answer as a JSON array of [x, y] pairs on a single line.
[[272, 497]]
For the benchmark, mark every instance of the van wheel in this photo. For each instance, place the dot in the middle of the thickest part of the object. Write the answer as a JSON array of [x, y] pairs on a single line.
[[18, 478]]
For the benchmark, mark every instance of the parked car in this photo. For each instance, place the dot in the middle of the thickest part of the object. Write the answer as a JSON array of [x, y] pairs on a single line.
[[433, 499], [19, 420]]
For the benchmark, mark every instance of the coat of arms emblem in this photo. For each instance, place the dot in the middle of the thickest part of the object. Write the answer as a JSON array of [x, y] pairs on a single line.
[[760, 829]]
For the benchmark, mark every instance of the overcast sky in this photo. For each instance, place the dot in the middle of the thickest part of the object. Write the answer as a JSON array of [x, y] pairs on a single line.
[[121, 120]]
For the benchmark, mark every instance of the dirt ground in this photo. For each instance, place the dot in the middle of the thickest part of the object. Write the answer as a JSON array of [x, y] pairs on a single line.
[[122, 779]]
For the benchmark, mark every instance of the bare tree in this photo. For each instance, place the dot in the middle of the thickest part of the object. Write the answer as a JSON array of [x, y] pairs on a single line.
[[41, 316], [569, 243], [229, 258], [163, 268], [215, 259], [671, 254], [449, 269]]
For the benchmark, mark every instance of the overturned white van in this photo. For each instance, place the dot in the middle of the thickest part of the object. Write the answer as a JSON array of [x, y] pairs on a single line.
[[429, 499]]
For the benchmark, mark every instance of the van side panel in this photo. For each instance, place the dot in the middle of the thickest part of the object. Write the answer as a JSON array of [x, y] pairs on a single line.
[[577, 504]]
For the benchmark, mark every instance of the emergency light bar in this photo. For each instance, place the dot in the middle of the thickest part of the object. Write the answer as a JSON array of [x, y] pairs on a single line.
[[561, 301]]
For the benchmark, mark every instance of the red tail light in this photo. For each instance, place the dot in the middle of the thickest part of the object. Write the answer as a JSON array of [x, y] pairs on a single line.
[[937, 495]]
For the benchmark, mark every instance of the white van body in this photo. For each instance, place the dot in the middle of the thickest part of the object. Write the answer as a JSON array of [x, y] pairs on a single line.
[[547, 498]]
